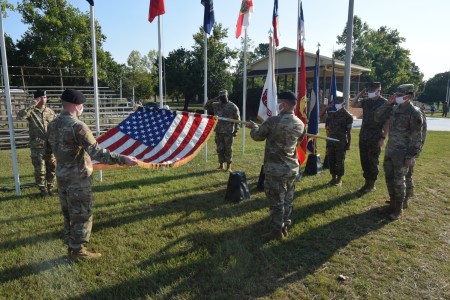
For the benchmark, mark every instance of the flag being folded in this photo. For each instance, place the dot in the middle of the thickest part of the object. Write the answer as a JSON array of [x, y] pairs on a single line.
[[159, 137]]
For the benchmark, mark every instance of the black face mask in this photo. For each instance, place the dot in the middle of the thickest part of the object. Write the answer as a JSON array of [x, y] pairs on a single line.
[[223, 99]]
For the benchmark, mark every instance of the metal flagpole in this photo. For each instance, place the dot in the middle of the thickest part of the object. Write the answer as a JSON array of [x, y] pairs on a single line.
[[244, 92], [160, 64], [296, 62], [8, 107], [348, 53], [205, 88], [94, 66]]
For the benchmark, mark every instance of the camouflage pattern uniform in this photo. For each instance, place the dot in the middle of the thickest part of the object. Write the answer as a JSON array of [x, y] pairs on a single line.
[[43, 160], [340, 126], [74, 145], [404, 143], [282, 133], [370, 134], [225, 131]]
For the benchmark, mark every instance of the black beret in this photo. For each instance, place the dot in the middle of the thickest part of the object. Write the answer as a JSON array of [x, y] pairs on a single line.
[[39, 93], [289, 96], [73, 96], [373, 85]]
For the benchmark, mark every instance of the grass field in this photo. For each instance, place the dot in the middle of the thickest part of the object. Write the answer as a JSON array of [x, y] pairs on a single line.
[[170, 235]]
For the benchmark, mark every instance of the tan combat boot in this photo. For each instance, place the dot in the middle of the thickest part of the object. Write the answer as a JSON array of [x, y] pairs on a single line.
[[397, 213], [405, 202], [273, 235], [363, 188], [333, 180], [43, 192], [284, 231], [82, 254], [338, 181], [50, 190], [370, 187], [220, 167], [228, 167]]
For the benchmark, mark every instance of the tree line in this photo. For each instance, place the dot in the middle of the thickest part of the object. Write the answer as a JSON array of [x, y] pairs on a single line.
[[58, 36]]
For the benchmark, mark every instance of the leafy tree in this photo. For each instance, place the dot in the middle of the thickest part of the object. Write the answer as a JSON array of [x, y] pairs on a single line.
[[435, 89], [178, 77], [261, 51], [380, 51], [138, 75]]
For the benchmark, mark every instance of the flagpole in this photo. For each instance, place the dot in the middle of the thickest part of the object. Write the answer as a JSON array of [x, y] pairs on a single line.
[[8, 106], [94, 66], [244, 91], [297, 60], [205, 87], [348, 53], [160, 64]]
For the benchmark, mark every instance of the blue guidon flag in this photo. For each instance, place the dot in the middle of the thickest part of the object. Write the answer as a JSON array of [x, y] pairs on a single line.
[[158, 137], [91, 2], [208, 18]]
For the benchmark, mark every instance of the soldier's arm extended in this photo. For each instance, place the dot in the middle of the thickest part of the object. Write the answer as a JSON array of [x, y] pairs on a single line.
[[260, 133], [209, 105], [355, 103], [383, 112], [91, 146], [26, 112]]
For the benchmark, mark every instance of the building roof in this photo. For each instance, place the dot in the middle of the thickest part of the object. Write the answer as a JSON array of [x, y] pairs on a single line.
[[286, 59]]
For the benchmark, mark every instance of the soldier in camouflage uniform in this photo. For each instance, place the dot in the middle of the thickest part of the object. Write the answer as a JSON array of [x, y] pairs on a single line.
[[404, 144], [339, 127], [38, 116], [225, 131], [282, 134], [73, 145], [372, 134]]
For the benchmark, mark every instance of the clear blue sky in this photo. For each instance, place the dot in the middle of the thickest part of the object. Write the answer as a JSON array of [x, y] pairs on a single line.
[[424, 24]]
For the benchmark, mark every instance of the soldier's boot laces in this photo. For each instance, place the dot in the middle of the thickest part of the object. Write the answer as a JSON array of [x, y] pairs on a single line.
[[284, 231], [397, 213], [220, 167], [338, 181], [273, 235], [228, 167], [82, 254]]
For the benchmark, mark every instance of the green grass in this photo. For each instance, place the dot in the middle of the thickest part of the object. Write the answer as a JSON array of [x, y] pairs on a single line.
[[170, 235]]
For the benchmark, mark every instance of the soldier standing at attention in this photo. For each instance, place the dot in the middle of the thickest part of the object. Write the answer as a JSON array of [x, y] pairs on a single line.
[[339, 127], [74, 145], [282, 134], [225, 131], [371, 135], [38, 116], [404, 143]]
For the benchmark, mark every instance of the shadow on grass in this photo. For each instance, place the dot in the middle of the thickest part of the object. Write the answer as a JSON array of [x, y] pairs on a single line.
[[238, 263]]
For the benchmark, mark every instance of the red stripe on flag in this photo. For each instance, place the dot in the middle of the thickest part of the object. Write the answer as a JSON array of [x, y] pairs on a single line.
[[118, 143], [203, 137], [130, 149], [107, 135]]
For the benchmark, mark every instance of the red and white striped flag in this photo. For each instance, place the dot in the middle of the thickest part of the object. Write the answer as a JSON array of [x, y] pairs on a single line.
[[245, 14], [158, 137]]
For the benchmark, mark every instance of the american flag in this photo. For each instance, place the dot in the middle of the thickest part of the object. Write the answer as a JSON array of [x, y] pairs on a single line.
[[159, 137]]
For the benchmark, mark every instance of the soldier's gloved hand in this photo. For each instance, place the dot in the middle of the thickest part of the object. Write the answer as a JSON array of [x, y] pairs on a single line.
[[251, 124]]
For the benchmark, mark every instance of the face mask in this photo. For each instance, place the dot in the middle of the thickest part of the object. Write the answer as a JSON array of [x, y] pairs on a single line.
[[80, 111], [338, 106], [400, 100], [372, 94], [280, 107]]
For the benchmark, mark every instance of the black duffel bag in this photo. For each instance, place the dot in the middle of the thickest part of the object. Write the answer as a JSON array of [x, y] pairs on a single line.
[[237, 188]]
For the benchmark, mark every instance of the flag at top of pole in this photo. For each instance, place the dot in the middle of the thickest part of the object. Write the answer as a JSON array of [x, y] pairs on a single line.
[[91, 2], [268, 104], [156, 9], [275, 23], [301, 30], [244, 16], [208, 18]]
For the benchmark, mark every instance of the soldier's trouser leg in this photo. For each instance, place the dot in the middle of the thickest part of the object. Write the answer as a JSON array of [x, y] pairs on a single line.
[[37, 158], [220, 144], [50, 169], [331, 159], [62, 193], [228, 149], [78, 197], [280, 193], [409, 181], [388, 166], [396, 179], [369, 153]]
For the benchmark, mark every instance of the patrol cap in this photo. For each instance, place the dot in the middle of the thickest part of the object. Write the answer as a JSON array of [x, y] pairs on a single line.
[[40, 93], [373, 85], [73, 96], [288, 96], [339, 100], [223, 93], [404, 89]]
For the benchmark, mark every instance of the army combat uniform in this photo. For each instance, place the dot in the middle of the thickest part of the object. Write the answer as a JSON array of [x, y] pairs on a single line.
[[340, 126], [225, 131], [41, 155], [282, 133], [73, 145], [404, 143]]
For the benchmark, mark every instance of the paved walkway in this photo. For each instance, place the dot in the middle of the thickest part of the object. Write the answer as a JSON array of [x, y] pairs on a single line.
[[433, 124]]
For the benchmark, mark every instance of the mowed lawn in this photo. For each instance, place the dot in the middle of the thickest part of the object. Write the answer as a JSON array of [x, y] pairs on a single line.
[[168, 234]]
